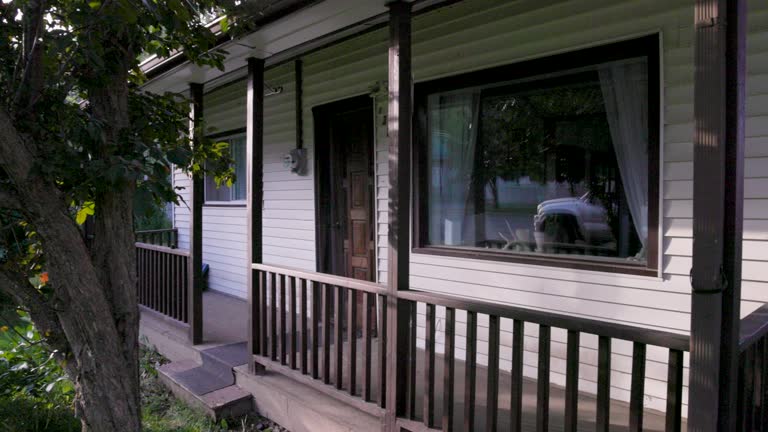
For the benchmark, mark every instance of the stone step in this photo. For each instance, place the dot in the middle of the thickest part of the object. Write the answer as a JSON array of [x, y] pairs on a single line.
[[205, 390]]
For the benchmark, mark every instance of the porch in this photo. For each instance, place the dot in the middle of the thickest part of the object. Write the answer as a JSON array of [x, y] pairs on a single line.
[[225, 323], [413, 359]]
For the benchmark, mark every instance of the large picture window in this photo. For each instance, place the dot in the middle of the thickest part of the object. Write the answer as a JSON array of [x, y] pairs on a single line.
[[235, 193], [558, 164]]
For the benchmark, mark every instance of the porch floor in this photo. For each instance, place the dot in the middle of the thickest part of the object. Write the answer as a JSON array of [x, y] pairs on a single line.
[[225, 321]]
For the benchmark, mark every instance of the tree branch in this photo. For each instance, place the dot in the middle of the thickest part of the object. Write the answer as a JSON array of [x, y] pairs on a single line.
[[32, 71], [43, 315]]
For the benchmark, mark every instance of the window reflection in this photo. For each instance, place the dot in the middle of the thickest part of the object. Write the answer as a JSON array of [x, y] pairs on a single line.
[[554, 165]]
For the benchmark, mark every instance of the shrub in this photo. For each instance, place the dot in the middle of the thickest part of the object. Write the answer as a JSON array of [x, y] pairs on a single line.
[[35, 394]]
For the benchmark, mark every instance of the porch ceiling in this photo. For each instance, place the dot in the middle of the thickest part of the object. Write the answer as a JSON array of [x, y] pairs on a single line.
[[304, 28]]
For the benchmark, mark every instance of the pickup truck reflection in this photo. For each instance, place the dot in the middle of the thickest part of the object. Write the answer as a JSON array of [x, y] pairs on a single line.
[[572, 225]]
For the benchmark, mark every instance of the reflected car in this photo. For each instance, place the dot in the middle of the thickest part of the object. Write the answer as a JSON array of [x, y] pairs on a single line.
[[563, 223]]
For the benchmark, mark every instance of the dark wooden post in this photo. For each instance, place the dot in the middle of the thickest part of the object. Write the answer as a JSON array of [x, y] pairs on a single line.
[[255, 166], [196, 225], [399, 121], [718, 194]]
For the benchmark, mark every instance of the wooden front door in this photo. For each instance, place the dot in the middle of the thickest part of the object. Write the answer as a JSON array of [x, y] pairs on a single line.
[[345, 184], [353, 140]]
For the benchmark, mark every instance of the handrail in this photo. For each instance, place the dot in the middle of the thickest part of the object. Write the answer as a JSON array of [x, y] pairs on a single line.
[[165, 236], [164, 249], [154, 231], [753, 327], [341, 281], [659, 338]]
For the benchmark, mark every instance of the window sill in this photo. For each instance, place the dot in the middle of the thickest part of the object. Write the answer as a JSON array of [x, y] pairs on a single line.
[[548, 261], [225, 204]]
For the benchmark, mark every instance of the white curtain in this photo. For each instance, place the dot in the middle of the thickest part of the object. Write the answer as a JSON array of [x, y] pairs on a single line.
[[625, 91], [453, 125]]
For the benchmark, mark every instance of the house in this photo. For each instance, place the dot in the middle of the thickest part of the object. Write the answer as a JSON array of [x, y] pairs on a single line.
[[475, 213]]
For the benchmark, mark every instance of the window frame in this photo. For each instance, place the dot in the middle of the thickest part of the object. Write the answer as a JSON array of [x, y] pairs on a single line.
[[647, 46], [224, 136]]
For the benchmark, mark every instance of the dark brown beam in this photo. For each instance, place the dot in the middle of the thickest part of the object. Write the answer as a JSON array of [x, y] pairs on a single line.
[[299, 102], [399, 124], [254, 198], [718, 194], [196, 224]]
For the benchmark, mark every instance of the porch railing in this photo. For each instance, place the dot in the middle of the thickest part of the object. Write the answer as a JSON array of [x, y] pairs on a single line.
[[163, 280], [321, 349], [161, 237], [753, 372]]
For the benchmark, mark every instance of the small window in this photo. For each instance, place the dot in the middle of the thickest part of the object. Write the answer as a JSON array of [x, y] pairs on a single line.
[[223, 193], [553, 166]]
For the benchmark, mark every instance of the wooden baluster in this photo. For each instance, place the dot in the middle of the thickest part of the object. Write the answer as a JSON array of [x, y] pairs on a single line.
[[166, 284], [603, 418], [187, 287], [316, 312], [352, 339], [492, 394], [748, 388], [516, 396], [172, 285], [637, 391], [542, 387], [382, 336], [150, 284], [740, 398], [263, 287], [763, 412], [273, 316], [428, 404], [449, 368], [412, 354], [303, 326], [292, 335], [470, 372], [156, 280], [139, 275], [367, 328], [283, 329], [674, 391], [758, 380], [327, 306], [163, 290], [572, 381], [255, 310], [338, 337], [179, 288]]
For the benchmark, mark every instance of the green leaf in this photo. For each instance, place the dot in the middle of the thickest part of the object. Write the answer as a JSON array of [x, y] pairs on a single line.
[[224, 24], [86, 210], [94, 4]]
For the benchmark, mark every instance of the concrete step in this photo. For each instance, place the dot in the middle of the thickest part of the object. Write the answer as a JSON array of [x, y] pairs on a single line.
[[300, 408], [205, 391]]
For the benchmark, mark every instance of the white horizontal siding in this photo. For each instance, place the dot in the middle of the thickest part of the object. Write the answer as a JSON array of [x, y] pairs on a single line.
[[289, 209], [224, 228]]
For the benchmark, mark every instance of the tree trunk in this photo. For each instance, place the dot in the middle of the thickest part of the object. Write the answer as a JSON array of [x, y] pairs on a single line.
[[94, 305]]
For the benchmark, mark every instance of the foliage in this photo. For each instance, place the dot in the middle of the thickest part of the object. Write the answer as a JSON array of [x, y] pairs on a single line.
[[35, 394]]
